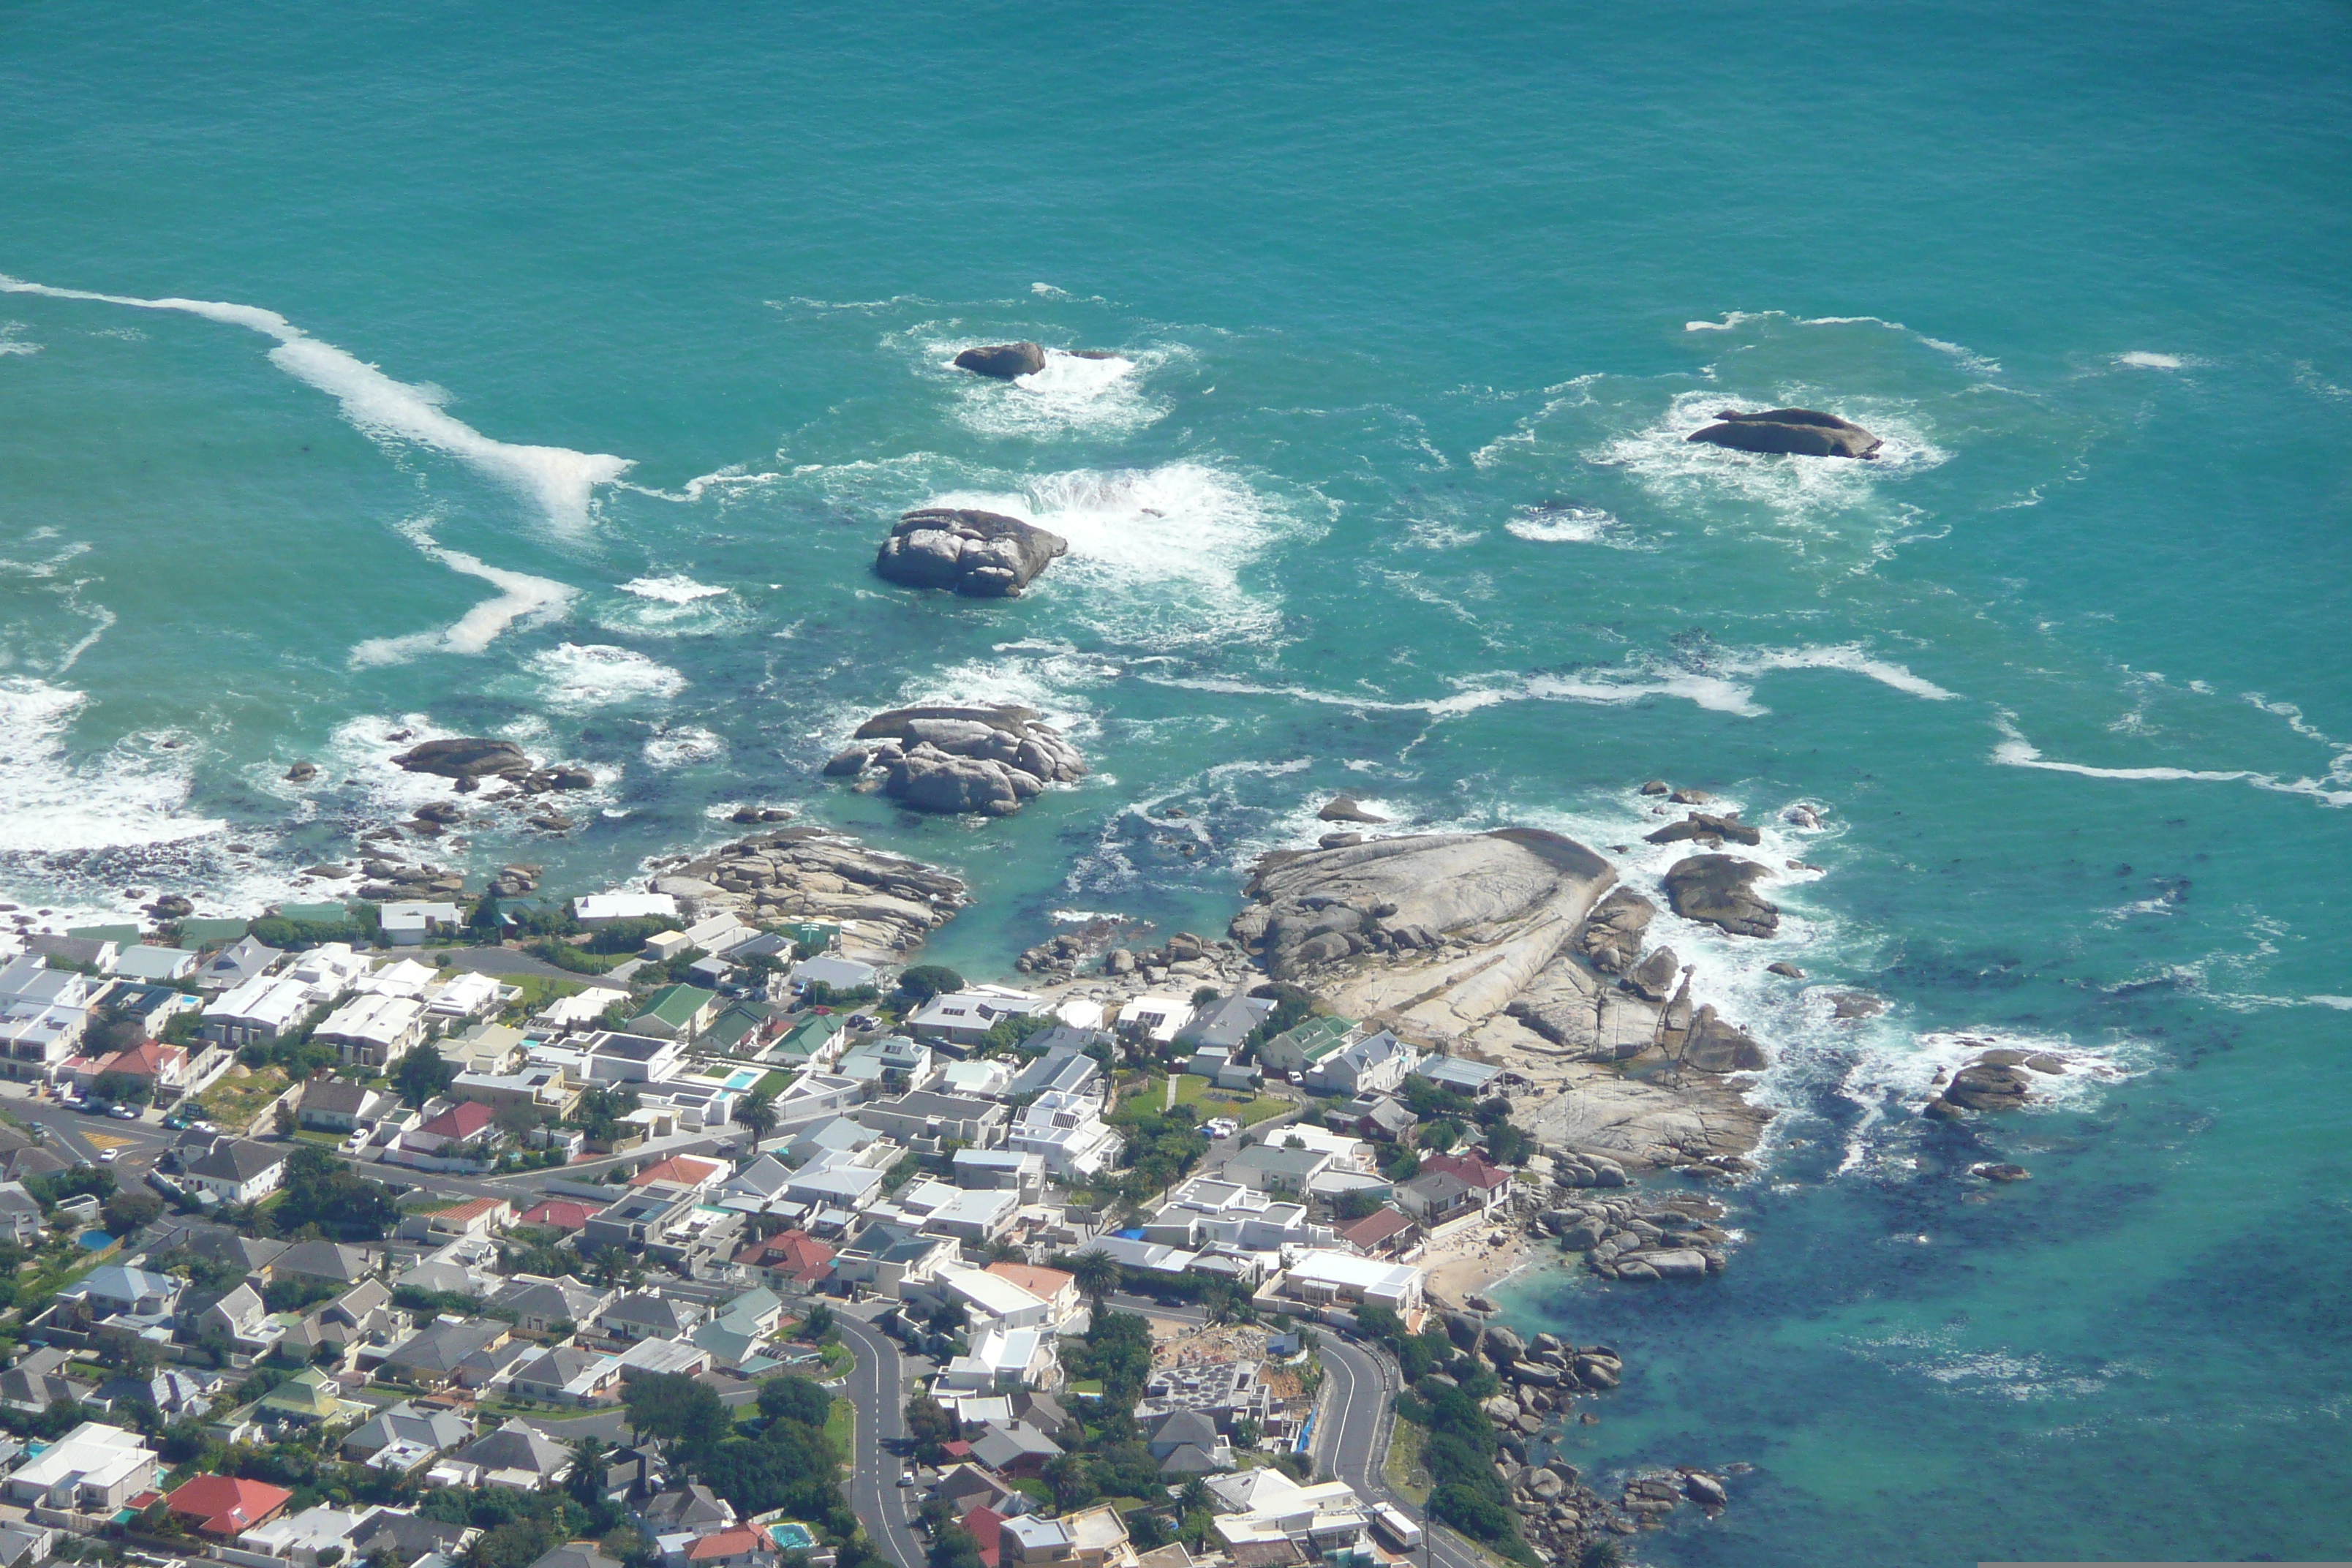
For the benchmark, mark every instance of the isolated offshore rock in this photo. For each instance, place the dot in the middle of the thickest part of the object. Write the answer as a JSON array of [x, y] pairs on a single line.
[[466, 757], [1344, 808], [1803, 432], [957, 760], [1003, 360], [1719, 890], [980, 554]]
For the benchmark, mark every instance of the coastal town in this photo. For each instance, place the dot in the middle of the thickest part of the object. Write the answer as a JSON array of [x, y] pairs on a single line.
[[704, 1223]]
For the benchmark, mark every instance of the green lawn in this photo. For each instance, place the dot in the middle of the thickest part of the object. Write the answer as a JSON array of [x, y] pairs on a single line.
[[1242, 1106], [774, 1083], [1402, 1467], [841, 1425]]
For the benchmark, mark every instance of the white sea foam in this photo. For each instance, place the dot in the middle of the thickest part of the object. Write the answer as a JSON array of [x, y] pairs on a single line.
[[134, 793], [12, 340], [2141, 359], [1723, 688], [2014, 751], [1663, 460], [1157, 556], [1072, 393], [521, 598], [1893, 1087], [579, 677], [1561, 524], [675, 589], [560, 480], [684, 745]]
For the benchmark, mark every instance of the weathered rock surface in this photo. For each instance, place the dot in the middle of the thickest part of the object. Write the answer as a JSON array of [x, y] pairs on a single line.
[[1612, 938], [302, 773], [1986, 1086], [980, 554], [466, 757], [1719, 891], [1343, 808], [1712, 1043], [1803, 432], [1706, 830], [1002, 360], [992, 760], [1463, 922], [885, 904]]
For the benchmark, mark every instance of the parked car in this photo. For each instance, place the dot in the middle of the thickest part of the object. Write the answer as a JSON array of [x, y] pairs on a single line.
[[177, 1122], [122, 1113]]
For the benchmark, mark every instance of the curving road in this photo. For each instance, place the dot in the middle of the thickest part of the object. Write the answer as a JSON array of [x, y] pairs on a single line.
[[1351, 1441], [877, 1386]]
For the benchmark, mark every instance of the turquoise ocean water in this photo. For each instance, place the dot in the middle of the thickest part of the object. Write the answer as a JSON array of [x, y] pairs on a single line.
[[553, 372]]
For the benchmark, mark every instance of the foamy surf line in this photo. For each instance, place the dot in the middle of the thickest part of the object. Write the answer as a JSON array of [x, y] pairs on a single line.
[[2014, 751], [523, 597], [1717, 691], [560, 479]]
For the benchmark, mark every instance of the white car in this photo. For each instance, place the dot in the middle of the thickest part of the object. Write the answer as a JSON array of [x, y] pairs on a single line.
[[106, 1156], [1223, 1127], [123, 1114]]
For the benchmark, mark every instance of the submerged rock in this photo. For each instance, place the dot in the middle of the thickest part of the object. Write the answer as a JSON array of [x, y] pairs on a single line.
[[1719, 890], [1801, 432], [980, 554], [1002, 360]]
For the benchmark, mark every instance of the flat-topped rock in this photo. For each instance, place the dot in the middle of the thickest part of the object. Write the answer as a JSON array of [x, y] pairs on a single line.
[[466, 757], [1799, 432], [1719, 889], [886, 904], [956, 760], [980, 554]]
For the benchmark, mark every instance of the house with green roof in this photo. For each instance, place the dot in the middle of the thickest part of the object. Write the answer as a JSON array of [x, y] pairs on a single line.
[[737, 1029], [309, 1398], [676, 1013], [809, 1043], [200, 932], [1297, 1050]]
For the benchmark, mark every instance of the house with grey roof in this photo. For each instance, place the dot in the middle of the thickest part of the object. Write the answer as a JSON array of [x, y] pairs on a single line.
[[20, 1215], [648, 1314], [1378, 1061], [238, 1317], [517, 1454], [1015, 1448], [1224, 1025], [539, 1303], [331, 1261], [568, 1375], [336, 1106], [237, 1171], [235, 964], [693, 1508], [38, 1381], [430, 1357], [409, 1434], [219, 1244], [1267, 1169], [923, 1115], [124, 1290]]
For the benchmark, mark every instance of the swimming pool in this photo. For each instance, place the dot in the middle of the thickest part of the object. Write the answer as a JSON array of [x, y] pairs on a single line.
[[742, 1079], [791, 1535]]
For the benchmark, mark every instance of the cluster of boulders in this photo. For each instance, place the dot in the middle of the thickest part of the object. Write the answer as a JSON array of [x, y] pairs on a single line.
[[752, 816], [1707, 828], [1647, 1499], [1801, 432], [468, 760], [991, 761], [1057, 956], [980, 554], [1010, 362], [886, 904], [1625, 1237], [514, 881], [392, 881], [1995, 1081]]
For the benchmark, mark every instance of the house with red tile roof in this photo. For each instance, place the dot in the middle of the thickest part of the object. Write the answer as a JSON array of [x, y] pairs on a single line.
[[732, 1548], [986, 1525], [1471, 1167], [680, 1170], [228, 1505], [792, 1261], [558, 1214], [463, 1138], [1383, 1233]]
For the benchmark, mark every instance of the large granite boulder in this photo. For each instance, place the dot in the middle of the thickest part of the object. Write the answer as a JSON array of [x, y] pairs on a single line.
[[466, 757], [1986, 1086], [991, 761], [1611, 939], [1715, 1045], [1719, 891], [1803, 432], [1002, 360], [982, 554]]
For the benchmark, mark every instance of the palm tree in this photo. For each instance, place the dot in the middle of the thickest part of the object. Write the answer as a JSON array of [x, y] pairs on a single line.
[[757, 1113], [1096, 1275]]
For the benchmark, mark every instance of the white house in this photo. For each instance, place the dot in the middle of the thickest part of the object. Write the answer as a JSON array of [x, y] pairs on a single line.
[[258, 1011], [375, 1030], [409, 924], [1067, 1131], [1158, 1019], [237, 1170], [93, 1470], [154, 963], [963, 1016], [603, 908]]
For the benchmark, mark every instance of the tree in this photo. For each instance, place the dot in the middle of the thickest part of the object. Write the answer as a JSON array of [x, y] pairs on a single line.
[[794, 1399], [127, 1211], [1097, 1275], [422, 1074], [123, 1088], [517, 1120], [282, 1117], [928, 1425], [322, 1190], [817, 1325], [926, 981], [758, 1115], [677, 1407], [586, 1482]]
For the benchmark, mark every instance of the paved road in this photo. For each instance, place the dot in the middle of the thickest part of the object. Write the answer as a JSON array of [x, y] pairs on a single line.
[[1351, 1440], [877, 1386]]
